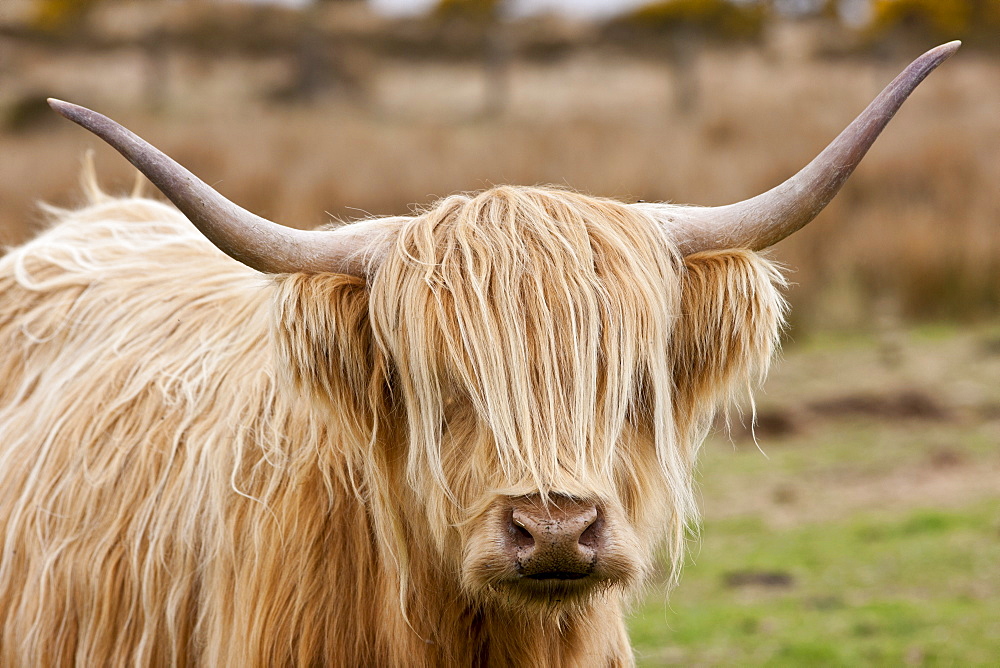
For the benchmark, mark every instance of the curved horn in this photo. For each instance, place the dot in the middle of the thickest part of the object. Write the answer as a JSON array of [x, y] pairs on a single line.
[[244, 236], [765, 220]]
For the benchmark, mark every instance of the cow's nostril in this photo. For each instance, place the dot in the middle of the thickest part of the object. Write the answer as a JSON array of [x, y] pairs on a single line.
[[591, 536], [520, 534]]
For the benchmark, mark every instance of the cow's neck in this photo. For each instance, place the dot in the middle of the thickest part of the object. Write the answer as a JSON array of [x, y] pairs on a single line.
[[593, 637]]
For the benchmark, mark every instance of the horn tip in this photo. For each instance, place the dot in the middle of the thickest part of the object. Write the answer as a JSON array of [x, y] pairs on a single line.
[[947, 49], [87, 118], [65, 109]]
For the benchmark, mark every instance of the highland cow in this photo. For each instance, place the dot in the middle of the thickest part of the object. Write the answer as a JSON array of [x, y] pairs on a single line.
[[449, 439]]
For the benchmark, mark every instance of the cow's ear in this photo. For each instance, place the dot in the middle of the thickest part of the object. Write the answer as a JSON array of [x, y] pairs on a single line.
[[325, 344], [731, 316]]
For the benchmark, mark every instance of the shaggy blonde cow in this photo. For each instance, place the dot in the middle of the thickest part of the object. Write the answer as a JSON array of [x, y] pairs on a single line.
[[451, 439]]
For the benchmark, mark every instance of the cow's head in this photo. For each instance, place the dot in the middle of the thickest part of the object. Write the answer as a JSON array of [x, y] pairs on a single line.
[[526, 373]]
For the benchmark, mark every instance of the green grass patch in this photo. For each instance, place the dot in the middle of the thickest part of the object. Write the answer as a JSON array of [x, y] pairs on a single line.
[[917, 588]]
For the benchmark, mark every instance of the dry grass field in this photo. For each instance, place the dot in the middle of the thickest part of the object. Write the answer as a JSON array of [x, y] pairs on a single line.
[[913, 235], [870, 532]]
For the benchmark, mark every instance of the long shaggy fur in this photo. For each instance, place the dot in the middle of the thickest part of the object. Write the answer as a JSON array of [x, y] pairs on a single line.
[[202, 465]]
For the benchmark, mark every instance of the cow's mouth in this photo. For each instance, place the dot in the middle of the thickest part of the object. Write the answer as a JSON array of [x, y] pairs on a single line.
[[553, 588], [558, 575]]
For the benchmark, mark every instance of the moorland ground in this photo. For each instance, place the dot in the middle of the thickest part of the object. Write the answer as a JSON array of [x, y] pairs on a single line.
[[866, 528]]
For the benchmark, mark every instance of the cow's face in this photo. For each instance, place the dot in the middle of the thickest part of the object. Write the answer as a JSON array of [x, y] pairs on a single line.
[[530, 333]]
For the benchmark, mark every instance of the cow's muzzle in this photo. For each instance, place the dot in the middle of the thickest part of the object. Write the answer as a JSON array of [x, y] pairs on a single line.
[[559, 540]]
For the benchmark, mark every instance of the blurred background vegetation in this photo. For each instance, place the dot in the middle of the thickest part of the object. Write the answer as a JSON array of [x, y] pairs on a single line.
[[872, 533]]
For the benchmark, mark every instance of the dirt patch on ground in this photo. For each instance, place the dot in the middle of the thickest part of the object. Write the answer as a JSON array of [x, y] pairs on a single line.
[[752, 578], [906, 404], [895, 405], [948, 478], [791, 503]]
